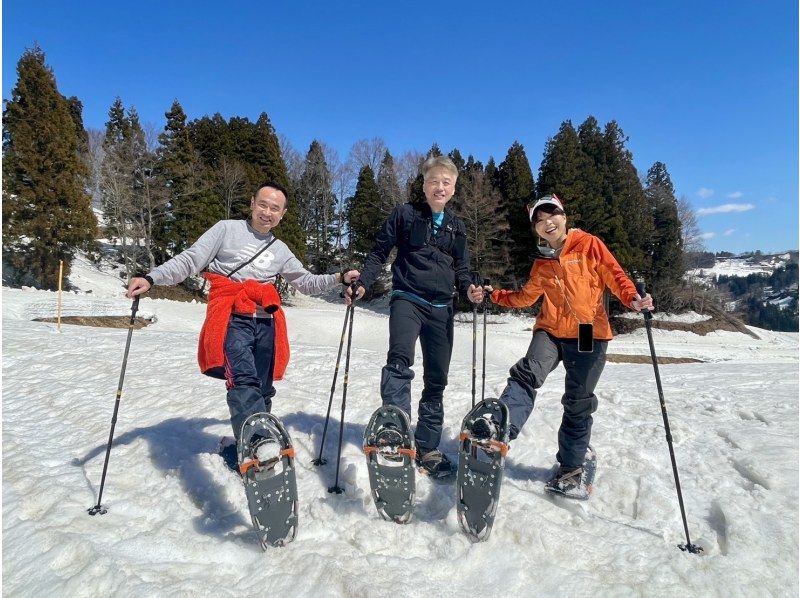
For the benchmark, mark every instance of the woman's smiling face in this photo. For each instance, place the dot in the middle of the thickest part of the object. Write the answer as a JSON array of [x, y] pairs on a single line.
[[551, 227]]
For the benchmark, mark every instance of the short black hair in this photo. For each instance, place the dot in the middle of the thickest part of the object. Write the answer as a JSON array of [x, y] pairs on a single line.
[[277, 187], [547, 208]]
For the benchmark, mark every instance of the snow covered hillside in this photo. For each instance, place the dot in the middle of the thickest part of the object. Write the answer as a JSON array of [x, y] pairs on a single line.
[[745, 265], [178, 522]]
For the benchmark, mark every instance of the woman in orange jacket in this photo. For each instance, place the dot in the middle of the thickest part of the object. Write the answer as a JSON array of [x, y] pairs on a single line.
[[572, 327]]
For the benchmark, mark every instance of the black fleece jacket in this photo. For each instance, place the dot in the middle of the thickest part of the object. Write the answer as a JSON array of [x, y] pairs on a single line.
[[429, 265]]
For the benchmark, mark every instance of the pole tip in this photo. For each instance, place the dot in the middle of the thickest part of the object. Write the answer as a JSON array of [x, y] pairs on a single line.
[[97, 510]]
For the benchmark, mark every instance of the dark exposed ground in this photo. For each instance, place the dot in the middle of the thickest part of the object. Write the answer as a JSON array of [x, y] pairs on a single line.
[[100, 321]]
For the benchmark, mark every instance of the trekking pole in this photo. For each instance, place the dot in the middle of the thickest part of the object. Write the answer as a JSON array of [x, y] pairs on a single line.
[[319, 460], [98, 509], [486, 282], [475, 280], [336, 488], [688, 547]]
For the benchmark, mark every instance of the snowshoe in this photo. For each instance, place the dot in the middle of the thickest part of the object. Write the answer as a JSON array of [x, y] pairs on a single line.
[[390, 462], [575, 483], [266, 464], [483, 444]]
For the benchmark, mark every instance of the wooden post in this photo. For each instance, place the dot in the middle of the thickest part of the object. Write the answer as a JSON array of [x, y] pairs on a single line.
[[60, 275]]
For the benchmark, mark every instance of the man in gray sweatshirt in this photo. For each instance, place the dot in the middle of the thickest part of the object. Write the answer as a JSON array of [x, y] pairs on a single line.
[[249, 342]]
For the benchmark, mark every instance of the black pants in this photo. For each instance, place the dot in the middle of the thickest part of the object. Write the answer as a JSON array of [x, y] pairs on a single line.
[[409, 321], [579, 401]]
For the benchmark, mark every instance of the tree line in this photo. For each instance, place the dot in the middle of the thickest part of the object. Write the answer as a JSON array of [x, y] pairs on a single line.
[[158, 190]]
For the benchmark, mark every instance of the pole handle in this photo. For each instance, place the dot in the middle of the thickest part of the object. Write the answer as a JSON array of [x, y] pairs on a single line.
[[640, 288]]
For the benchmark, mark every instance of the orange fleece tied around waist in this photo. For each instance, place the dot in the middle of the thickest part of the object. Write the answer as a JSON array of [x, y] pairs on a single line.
[[228, 296]]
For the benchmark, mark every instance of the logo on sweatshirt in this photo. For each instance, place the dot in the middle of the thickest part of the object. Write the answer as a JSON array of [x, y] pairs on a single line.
[[262, 263]]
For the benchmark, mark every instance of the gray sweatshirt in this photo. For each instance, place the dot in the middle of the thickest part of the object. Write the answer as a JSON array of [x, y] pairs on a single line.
[[231, 242]]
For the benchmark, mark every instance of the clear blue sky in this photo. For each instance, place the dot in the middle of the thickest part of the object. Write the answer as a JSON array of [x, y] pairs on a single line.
[[709, 88]]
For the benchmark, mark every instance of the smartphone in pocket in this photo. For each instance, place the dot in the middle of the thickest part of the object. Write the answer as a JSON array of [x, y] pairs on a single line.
[[585, 338]]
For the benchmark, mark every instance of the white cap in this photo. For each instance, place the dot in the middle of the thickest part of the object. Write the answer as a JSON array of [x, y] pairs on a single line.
[[547, 200]]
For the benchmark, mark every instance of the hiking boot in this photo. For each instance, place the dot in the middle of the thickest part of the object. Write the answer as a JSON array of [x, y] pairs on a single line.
[[485, 428], [434, 463], [388, 440], [388, 435], [229, 456], [569, 482]]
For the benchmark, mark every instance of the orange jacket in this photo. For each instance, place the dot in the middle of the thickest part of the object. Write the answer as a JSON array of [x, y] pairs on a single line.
[[227, 296], [573, 287]]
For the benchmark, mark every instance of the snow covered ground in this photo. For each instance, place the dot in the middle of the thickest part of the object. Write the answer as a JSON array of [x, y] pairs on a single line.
[[178, 522]]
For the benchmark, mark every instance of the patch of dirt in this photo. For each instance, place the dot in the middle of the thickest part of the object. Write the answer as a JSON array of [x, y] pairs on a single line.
[[717, 322], [100, 321], [617, 358]]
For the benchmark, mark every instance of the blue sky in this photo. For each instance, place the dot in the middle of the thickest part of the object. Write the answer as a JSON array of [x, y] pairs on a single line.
[[708, 88]]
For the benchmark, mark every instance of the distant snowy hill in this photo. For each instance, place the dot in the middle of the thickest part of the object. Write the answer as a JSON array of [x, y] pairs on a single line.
[[744, 265], [762, 288], [178, 523]]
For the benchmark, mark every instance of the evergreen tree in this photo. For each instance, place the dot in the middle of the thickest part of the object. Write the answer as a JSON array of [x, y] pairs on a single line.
[[76, 112], [626, 225], [388, 187], [515, 181], [211, 137], [627, 192], [491, 172], [256, 148], [362, 214], [264, 153], [568, 172], [666, 247], [315, 207], [47, 213], [193, 206]]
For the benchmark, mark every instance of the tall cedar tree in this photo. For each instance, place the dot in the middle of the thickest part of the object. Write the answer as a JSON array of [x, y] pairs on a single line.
[[667, 268], [315, 207], [455, 155], [569, 173], [388, 187], [47, 213], [626, 225], [628, 193], [194, 206], [515, 181], [363, 215], [255, 146]]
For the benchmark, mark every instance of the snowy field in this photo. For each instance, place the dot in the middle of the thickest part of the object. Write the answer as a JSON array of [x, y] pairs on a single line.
[[178, 523]]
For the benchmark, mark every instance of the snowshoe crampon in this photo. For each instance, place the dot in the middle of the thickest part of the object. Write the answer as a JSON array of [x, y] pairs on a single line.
[[390, 461], [483, 444], [266, 462], [576, 483]]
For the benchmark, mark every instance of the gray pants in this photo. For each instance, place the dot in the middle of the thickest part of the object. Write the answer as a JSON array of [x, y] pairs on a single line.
[[579, 400]]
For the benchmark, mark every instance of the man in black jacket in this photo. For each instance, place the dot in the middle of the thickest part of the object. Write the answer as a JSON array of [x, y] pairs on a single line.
[[432, 261]]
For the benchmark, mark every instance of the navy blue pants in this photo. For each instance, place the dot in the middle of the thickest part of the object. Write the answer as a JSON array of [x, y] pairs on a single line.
[[433, 326], [579, 401], [249, 365]]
